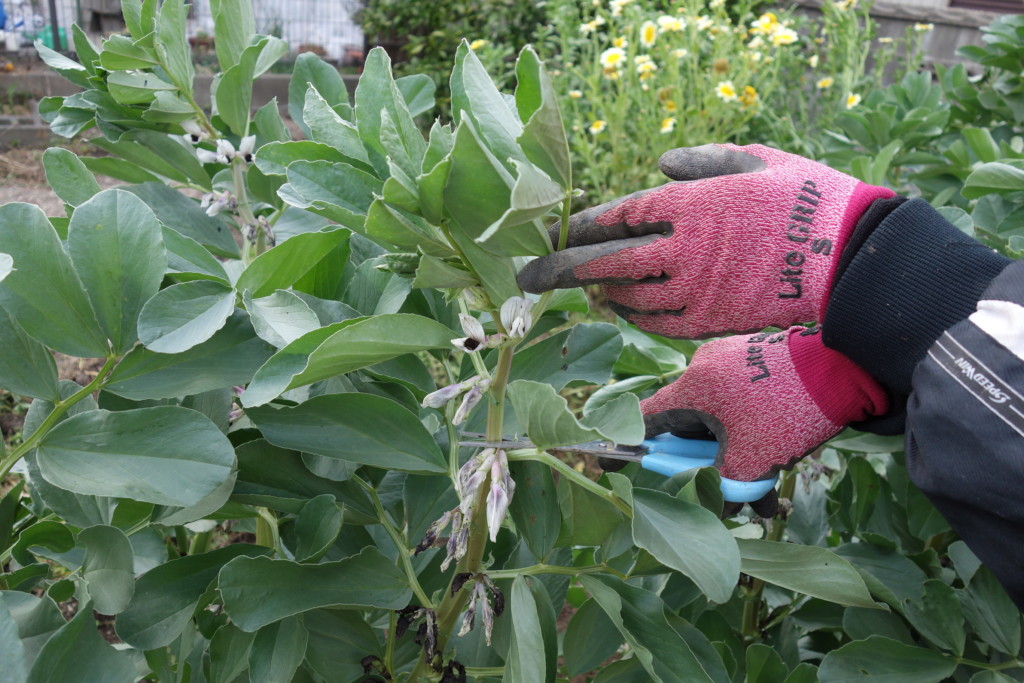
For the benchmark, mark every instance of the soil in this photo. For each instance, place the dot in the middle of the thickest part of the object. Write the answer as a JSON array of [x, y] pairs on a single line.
[[22, 178]]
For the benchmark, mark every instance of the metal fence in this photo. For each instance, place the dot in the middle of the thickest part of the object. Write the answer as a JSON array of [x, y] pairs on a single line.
[[325, 26]]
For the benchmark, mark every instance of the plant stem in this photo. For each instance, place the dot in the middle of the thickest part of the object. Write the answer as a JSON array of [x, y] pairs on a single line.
[[1012, 664], [574, 476], [497, 574], [389, 646], [400, 545], [751, 627], [59, 409], [199, 543], [267, 534]]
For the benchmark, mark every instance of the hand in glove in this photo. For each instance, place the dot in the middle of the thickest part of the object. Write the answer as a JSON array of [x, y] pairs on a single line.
[[750, 239], [769, 399]]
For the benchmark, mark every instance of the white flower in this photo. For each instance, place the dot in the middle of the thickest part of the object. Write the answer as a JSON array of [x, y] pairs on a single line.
[[246, 147], [613, 57], [475, 338], [516, 316], [216, 202], [500, 495], [225, 150], [648, 33], [438, 399], [205, 156], [193, 131]]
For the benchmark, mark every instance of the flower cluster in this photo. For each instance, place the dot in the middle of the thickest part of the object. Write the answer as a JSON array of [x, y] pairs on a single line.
[[768, 27], [485, 598], [727, 92], [225, 151]]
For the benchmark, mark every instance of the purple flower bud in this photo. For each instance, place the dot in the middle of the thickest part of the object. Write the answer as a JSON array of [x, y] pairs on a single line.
[[438, 399], [500, 495], [469, 402]]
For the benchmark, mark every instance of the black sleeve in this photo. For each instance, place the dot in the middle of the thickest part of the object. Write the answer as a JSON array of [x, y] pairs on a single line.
[[938, 319]]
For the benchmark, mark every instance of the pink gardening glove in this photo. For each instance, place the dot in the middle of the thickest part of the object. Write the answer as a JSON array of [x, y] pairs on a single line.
[[751, 239], [769, 399]]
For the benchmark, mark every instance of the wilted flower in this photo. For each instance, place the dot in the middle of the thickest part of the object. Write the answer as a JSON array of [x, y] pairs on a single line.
[[852, 100], [720, 65], [825, 83], [489, 606], [477, 44], [216, 202], [193, 131], [438, 399], [648, 33], [726, 91], [598, 126], [668, 124], [516, 316], [475, 338]]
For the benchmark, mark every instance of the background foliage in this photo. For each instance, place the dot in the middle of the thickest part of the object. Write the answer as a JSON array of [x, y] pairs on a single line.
[[246, 482]]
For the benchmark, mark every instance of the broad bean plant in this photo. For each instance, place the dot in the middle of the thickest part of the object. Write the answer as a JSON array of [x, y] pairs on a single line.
[[297, 329]]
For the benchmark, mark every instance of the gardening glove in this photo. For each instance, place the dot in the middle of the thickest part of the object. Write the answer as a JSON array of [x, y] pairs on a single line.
[[749, 239], [768, 399]]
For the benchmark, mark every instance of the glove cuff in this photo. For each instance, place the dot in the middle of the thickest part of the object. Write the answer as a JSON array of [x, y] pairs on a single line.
[[843, 391]]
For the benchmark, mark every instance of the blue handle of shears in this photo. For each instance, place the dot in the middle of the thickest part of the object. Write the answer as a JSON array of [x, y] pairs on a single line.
[[669, 455]]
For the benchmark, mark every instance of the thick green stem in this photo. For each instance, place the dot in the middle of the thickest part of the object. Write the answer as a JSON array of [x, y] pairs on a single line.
[[60, 408], [267, 534], [259, 244], [399, 541], [1012, 664], [533, 570], [199, 543], [575, 477]]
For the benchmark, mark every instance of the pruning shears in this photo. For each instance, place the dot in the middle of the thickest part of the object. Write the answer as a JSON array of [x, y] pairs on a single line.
[[665, 454]]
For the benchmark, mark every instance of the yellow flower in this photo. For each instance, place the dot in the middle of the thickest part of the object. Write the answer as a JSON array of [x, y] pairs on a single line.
[[477, 44], [575, 94], [670, 105], [668, 23], [641, 59], [844, 5], [597, 126], [648, 33], [727, 91], [885, 40], [812, 61], [766, 24], [612, 58], [825, 83], [921, 28], [611, 73], [749, 96], [784, 36], [620, 42], [646, 69], [852, 100], [680, 53], [668, 124]]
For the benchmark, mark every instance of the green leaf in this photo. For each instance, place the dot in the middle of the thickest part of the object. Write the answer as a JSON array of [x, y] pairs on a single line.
[[991, 613], [274, 158], [65, 66], [277, 651], [335, 190], [310, 70], [549, 422], [138, 21], [281, 318], [689, 539], [120, 53], [229, 653], [108, 568], [519, 232], [939, 617], [171, 45], [886, 661], [343, 347], [47, 534], [377, 92], [12, 650], [185, 315], [418, 92], [433, 273], [68, 176], [543, 139], [475, 98], [806, 569], [184, 215], [285, 264], [166, 455], [328, 128], [260, 591], [27, 368], [166, 596], [888, 574], [394, 228], [229, 358], [992, 177], [587, 352], [533, 633], [169, 153], [40, 288], [338, 641], [233, 24], [764, 665], [186, 257], [77, 652], [316, 528], [534, 507], [640, 617], [234, 91], [981, 143], [116, 244], [362, 428], [136, 87], [590, 639]]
